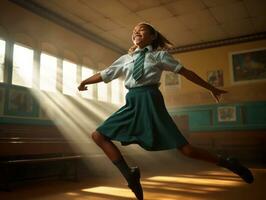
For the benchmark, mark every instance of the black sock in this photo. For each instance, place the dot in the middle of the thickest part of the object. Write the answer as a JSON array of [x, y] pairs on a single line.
[[123, 167]]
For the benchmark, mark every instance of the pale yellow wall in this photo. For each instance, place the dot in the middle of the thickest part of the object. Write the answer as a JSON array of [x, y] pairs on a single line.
[[39, 33], [210, 59]]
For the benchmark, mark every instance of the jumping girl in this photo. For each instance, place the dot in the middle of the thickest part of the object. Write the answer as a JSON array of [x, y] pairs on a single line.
[[144, 119]]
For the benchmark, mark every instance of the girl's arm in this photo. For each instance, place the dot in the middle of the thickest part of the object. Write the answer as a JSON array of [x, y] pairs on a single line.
[[96, 78], [190, 75]]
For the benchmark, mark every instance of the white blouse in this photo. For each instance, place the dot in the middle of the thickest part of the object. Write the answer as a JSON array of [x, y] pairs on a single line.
[[154, 64]]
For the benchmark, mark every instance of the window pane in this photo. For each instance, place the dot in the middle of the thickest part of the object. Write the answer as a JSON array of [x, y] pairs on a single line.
[[102, 91], [48, 72], [86, 73], [2, 59], [22, 66], [69, 78], [116, 91]]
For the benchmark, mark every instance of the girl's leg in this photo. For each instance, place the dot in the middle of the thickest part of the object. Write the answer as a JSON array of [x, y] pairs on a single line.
[[132, 175], [107, 146], [229, 163], [199, 154]]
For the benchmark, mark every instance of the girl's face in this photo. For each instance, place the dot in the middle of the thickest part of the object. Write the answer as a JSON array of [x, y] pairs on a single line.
[[142, 36]]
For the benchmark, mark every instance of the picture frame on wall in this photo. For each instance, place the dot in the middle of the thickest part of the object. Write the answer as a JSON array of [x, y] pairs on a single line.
[[248, 66], [20, 102], [215, 78], [171, 79], [226, 113]]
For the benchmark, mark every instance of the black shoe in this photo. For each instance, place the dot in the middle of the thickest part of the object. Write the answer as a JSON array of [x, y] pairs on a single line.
[[134, 183], [235, 166]]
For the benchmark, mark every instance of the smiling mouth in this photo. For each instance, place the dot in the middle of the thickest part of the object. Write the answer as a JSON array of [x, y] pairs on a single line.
[[137, 37]]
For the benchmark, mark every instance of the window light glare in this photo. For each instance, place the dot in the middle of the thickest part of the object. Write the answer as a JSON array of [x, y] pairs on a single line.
[[48, 67], [22, 66]]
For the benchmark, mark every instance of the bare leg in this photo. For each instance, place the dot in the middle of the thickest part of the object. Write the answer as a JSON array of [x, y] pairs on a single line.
[[230, 163], [132, 175], [107, 146], [199, 154]]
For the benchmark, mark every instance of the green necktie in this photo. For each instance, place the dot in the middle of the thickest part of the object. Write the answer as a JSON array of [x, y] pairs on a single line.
[[139, 65]]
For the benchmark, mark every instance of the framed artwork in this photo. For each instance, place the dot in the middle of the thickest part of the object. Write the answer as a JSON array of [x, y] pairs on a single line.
[[248, 65], [20, 102], [215, 78], [172, 79], [226, 114]]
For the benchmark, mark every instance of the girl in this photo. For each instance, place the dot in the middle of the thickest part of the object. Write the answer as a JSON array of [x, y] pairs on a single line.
[[144, 119]]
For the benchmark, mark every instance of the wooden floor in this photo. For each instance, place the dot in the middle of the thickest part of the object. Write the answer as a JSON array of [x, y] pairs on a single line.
[[205, 183]]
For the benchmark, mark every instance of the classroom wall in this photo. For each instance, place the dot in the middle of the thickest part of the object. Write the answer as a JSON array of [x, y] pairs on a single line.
[[248, 97], [205, 60], [197, 114]]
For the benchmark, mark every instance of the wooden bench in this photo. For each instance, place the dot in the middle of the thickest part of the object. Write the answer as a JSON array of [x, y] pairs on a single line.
[[66, 168], [32, 152]]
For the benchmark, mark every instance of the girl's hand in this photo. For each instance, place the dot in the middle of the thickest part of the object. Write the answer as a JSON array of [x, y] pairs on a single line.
[[217, 93], [82, 87]]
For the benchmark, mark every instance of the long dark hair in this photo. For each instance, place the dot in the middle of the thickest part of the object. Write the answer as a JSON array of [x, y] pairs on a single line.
[[159, 43]]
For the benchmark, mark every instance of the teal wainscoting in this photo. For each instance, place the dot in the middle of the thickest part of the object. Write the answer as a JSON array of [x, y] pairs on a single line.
[[222, 117]]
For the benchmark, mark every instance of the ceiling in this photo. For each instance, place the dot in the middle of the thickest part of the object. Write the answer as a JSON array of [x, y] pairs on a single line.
[[183, 22]]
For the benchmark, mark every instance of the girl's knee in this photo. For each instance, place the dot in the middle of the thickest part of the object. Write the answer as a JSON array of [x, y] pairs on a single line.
[[97, 137]]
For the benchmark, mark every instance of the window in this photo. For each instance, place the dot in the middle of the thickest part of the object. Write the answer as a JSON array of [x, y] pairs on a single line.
[[102, 91], [116, 86], [86, 73], [48, 67], [22, 66], [69, 78], [2, 59]]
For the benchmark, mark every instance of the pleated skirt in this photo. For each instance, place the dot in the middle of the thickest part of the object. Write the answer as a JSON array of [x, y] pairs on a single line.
[[143, 120]]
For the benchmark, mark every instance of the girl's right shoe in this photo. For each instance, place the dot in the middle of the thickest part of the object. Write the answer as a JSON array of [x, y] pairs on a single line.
[[235, 166]]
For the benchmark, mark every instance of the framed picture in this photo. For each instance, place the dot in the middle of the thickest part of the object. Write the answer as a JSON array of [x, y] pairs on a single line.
[[248, 65], [215, 78], [20, 102], [171, 79], [226, 114]]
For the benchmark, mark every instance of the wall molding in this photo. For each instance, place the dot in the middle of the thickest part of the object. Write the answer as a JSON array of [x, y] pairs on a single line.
[[219, 43], [249, 116]]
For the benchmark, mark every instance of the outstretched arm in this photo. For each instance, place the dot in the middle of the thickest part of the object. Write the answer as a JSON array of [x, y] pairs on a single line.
[[96, 78], [190, 75]]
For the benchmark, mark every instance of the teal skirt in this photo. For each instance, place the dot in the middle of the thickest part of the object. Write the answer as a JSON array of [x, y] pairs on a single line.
[[143, 120]]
